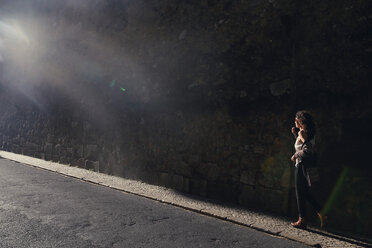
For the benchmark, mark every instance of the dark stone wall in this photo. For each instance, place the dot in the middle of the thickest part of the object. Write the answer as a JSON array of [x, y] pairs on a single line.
[[200, 96]]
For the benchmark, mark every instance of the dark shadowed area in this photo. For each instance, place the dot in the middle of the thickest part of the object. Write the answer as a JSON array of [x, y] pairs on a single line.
[[199, 96]]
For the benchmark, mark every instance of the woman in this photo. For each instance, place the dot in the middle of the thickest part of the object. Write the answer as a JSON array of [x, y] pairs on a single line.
[[305, 140]]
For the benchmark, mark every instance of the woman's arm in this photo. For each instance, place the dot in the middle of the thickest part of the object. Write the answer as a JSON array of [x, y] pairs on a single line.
[[305, 151], [294, 132], [303, 136]]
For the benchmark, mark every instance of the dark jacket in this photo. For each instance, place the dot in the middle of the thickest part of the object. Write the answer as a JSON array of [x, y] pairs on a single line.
[[306, 158]]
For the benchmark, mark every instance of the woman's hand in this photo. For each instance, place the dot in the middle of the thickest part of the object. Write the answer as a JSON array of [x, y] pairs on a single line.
[[293, 158], [294, 130]]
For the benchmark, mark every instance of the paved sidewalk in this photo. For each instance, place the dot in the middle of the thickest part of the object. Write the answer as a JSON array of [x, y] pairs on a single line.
[[263, 222]]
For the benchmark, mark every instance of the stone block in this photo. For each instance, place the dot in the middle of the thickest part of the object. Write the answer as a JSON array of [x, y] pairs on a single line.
[[55, 158], [28, 153], [42, 156], [91, 165], [232, 160], [193, 160], [280, 88], [80, 151], [69, 152], [165, 179], [121, 171], [151, 178], [259, 150], [50, 138], [247, 196], [65, 160], [38, 155], [182, 168], [194, 185], [272, 200], [57, 149], [48, 157], [63, 152], [227, 192], [248, 177], [285, 181], [177, 182], [96, 166], [186, 184], [214, 190], [209, 171], [32, 147], [91, 152], [214, 172], [203, 189], [234, 175], [48, 148], [182, 148], [80, 162]]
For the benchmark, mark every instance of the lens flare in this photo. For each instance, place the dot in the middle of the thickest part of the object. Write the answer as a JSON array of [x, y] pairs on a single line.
[[12, 32], [336, 191], [14, 42]]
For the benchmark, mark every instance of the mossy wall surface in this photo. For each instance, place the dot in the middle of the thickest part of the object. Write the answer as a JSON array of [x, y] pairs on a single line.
[[201, 95]]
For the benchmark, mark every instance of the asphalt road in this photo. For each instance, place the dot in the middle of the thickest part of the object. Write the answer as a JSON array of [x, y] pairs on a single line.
[[39, 209]]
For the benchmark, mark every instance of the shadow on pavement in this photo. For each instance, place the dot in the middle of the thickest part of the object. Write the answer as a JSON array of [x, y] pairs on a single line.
[[342, 237], [349, 238]]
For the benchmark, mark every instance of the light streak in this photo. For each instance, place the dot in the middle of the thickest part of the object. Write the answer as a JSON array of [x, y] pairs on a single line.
[[336, 191], [13, 32]]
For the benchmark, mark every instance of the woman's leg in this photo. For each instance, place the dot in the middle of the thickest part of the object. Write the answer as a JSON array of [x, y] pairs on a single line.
[[300, 191], [306, 190], [314, 203]]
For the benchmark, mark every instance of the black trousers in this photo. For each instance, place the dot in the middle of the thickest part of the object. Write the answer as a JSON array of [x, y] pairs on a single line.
[[302, 192]]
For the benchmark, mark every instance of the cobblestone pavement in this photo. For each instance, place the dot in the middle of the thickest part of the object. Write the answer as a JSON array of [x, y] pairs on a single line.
[[263, 222]]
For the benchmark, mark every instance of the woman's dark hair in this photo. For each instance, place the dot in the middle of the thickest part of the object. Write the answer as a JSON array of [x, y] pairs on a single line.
[[306, 119]]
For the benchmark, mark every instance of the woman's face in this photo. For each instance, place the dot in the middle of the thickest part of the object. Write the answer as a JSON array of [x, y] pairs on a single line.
[[297, 123]]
